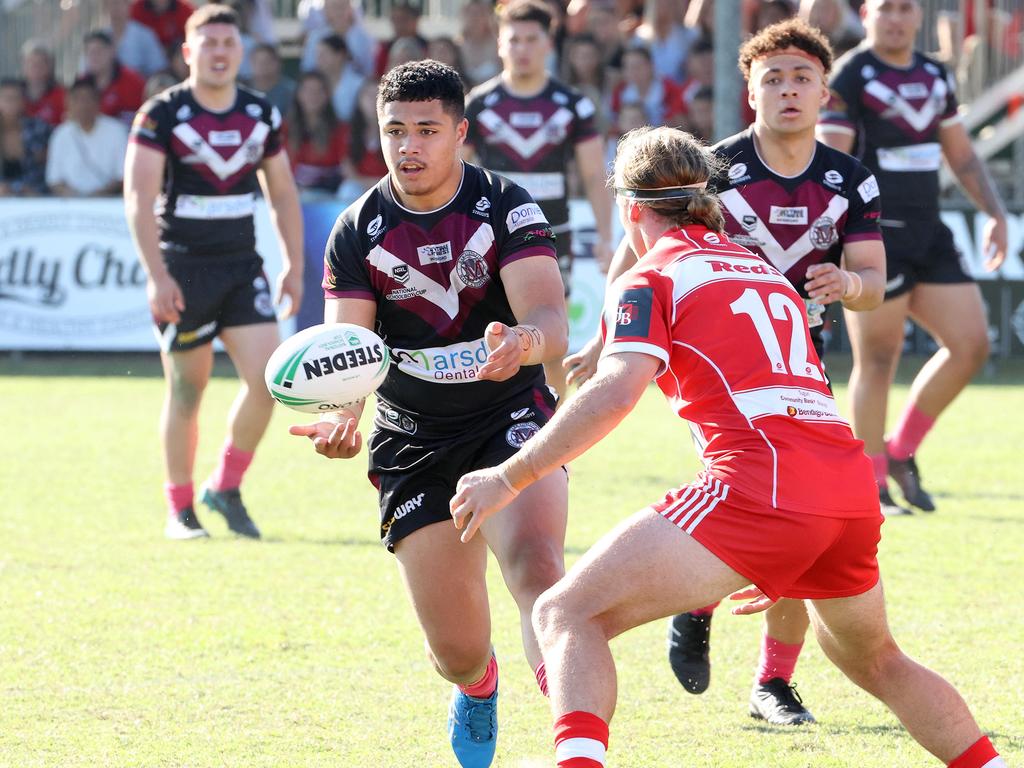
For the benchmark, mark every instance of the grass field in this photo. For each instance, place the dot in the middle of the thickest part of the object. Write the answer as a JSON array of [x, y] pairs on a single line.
[[118, 648]]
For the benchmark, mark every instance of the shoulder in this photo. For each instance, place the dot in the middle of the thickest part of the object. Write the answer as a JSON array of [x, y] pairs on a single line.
[[489, 90], [258, 107], [735, 146], [931, 65], [364, 221], [111, 127], [852, 61]]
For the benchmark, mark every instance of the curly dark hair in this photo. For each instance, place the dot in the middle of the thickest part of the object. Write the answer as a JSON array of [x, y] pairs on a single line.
[[424, 81], [791, 33]]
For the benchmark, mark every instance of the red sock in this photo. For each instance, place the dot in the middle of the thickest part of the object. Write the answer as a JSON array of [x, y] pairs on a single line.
[[233, 463], [484, 687], [777, 659], [178, 497], [910, 431], [981, 754], [542, 678], [880, 465], [581, 739], [707, 610]]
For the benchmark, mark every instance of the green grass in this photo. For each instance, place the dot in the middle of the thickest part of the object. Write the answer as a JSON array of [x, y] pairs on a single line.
[[118, 648]]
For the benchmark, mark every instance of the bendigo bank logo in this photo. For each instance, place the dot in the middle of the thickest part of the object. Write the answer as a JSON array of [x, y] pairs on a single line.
[[624, 315]]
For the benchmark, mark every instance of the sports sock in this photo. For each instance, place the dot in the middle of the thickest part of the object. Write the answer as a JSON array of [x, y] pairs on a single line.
[[880, 466], [910, 431], [233, 463], [777, 659], [542, 678], [707, 610], [981, 754], [581, 739], [484, 687], [178, 497]]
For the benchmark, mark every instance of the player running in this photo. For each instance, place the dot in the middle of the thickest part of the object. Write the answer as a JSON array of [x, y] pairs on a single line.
[[812, 213], [529, 126], [895, 108], [454, 267], [199, 152], [786, 502]]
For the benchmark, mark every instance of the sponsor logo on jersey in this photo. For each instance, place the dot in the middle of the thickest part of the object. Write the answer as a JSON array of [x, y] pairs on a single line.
[[400, 272], [913, 90], [524, 216], [225, 138], [399, 420], [374, 227], [483, 205], [784, 215], [834, 177], [518, 434], [633, 314], [743, 269], [738, 172], [748, 222], [410, 506], [823, 233], [712, 238], [522, 413], [254, 111], [184, 112], [867, 72], [868, 189], [791, 410], [453, 364], [585, 108], [435, 254], [401, 294], [472, 269], [526, 119], [263, 304]]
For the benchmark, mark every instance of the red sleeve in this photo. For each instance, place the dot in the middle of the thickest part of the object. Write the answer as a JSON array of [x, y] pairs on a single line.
[[640, 320]]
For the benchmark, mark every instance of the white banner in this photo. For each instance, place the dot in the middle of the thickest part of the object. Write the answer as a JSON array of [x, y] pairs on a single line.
[[70, 279]]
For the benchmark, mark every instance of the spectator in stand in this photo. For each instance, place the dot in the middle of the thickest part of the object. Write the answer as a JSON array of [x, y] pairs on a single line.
[[405, 22], [666, 39], [267, 78], [341, 18], [700, 70], [700, 114], [661, 98], [404, 50], [603, 24], [585, 71], [700, 17], [121, 88], [478, 43], [86, 155], [135, 45], [837, 20], [333, 60], [771, 12], [246, 12], [159, 82], [165, 17], [445, 50], [44, 96], [317, 141], [365, 166], [23, 142]]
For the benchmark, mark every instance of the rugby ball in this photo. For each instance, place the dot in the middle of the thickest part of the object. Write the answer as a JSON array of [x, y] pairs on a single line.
[[327, 367]]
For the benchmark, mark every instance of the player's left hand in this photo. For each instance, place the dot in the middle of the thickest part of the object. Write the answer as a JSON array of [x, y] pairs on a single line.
[[759, 601], [505, 353], [478, 496], [825, 283], [993, 243], [289, 285]]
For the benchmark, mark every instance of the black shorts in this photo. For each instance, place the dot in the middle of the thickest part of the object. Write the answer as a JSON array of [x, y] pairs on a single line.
[[218, 294], [416, 476], [919, 250]]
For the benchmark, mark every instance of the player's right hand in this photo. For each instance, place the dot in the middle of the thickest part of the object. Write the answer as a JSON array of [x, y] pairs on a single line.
[[332, 439], [580, 366], [166, 301]]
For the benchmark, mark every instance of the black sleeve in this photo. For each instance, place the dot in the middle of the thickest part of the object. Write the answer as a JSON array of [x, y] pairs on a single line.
[[520, 226], [345, 272]]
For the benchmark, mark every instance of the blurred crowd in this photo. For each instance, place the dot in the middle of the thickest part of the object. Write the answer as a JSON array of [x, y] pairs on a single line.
[[640, 61]]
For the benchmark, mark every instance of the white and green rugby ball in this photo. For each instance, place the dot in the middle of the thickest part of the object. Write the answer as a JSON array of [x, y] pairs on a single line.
[[327, 367]]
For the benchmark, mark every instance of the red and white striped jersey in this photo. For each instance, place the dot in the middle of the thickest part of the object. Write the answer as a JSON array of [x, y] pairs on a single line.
[[737, 363]]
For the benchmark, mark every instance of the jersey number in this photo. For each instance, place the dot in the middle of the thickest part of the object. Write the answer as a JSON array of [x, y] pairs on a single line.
[[782, 308]]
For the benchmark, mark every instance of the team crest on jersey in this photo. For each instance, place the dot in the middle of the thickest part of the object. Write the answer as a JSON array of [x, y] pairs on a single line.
[[823, 233], [472, 269], [400, 272], [518, 434], [253, 152], [374, 227]]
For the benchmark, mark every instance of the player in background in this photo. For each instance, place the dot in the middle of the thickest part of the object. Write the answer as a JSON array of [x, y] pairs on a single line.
[[786, 502], [455, 268], [812, 213], [528, 126], [895, 109], [199, 152]]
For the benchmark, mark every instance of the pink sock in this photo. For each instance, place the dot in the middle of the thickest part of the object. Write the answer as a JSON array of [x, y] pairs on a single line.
[[581, 739], [981, 754], [910, 431], [542, 678], [707, 610], [484, 687], [178, 497], [880, 465], [233, 463], [777, 659]]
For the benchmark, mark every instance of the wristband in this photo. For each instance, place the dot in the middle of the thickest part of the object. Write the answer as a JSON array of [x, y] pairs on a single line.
[[504, 479], [855, 279]]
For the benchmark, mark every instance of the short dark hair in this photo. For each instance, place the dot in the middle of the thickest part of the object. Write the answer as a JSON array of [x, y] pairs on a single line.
[[791, 33], [335, 42], [266, 48], [99, 36], [641, 50], [213, 13], [85, 83], [528, 10], [425, 80]]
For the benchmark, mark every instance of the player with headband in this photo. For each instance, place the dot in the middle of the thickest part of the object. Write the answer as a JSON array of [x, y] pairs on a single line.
[[787, 499]]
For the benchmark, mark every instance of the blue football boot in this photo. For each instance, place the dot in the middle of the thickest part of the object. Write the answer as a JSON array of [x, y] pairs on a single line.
[[473, 728]]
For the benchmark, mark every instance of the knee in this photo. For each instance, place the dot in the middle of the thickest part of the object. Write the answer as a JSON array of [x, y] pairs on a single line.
[[553, 613], [872, 670], [534, 566], [877, 360], [185, 393], [457, 662], [973, 350]]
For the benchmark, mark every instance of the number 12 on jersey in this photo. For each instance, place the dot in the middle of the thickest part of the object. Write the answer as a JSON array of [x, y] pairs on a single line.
[[782, 307]]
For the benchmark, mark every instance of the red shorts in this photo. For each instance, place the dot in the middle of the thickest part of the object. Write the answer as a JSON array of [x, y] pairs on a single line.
[[785, 554]]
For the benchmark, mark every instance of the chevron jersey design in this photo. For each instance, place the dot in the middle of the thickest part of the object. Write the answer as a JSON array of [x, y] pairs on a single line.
[[210, 185], [895, 116]]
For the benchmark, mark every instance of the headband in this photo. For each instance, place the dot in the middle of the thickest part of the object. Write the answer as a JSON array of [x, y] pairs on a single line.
[[661, 193], [789, 51]]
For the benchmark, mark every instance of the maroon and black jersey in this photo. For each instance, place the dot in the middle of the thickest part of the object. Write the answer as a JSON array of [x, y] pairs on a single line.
[[895, 115], [435, 277], [210, 184], [795, 221], [530, 140]]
